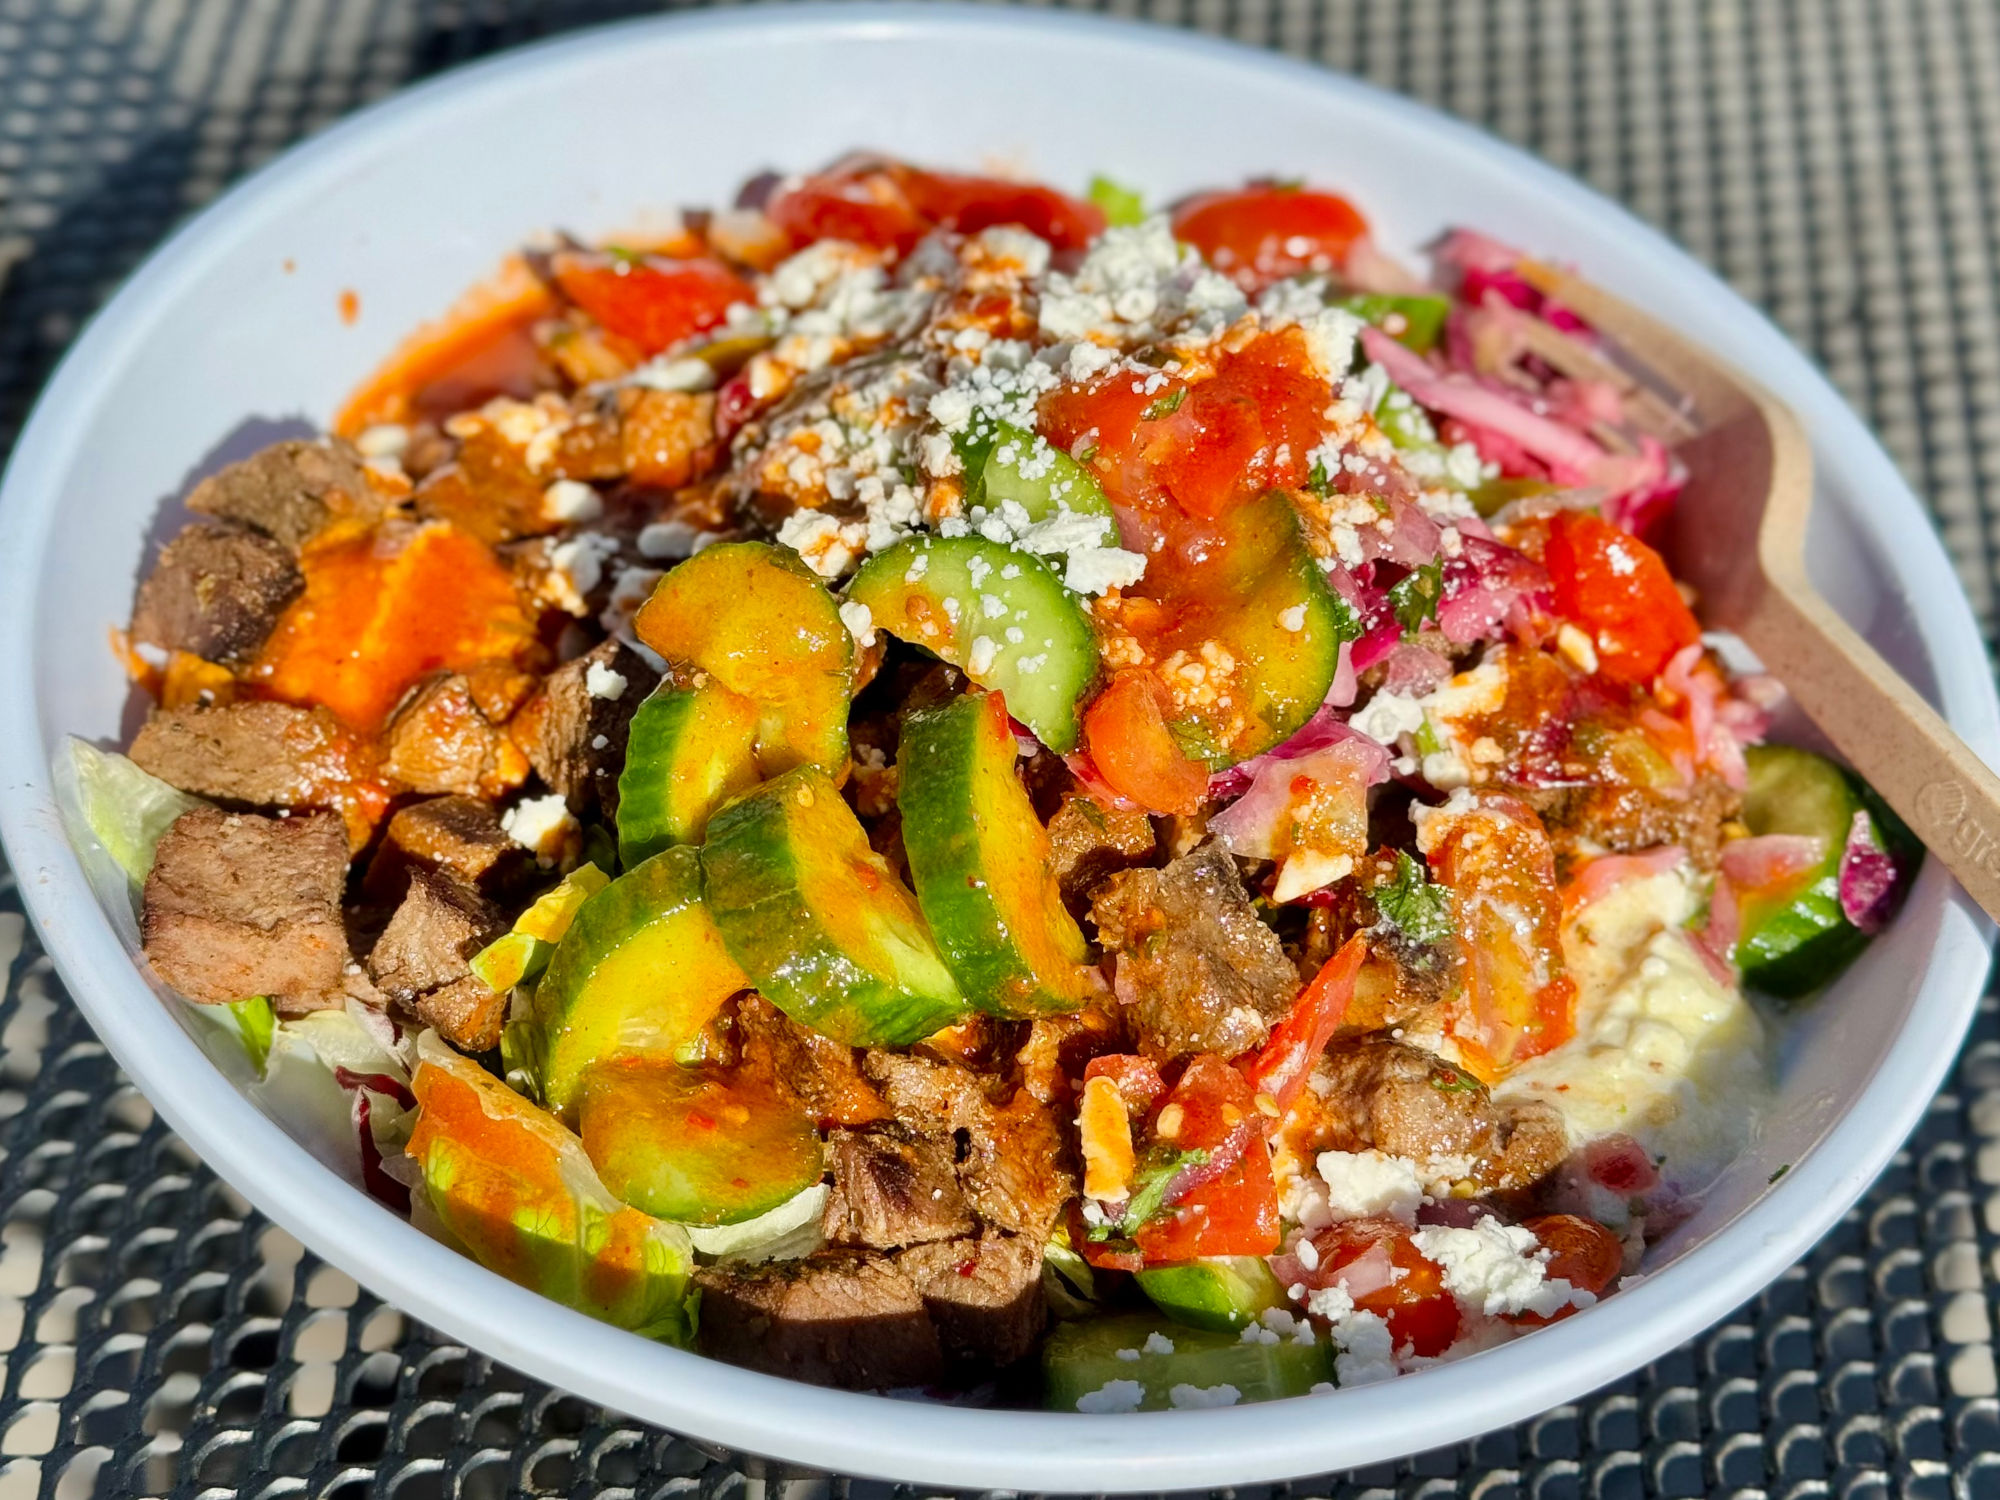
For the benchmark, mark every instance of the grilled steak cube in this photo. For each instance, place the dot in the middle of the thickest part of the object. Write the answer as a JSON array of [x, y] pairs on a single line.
[[289, 491], [835, 1318], [890, 1190], [574, 728], [239, 905], [984, 1296], [460, 836], [215, 592], [438, 740]]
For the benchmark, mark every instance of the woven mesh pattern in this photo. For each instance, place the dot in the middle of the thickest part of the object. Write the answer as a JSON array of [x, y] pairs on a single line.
[[1839, 163]]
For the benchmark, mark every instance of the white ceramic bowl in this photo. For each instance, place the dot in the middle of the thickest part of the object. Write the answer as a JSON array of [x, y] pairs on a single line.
[[413, 200]]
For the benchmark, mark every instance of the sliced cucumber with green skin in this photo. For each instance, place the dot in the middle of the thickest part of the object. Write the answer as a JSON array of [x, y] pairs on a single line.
[[1262, 598], [1001, 616], [1080, 1360], [1222, 1292], [759, 621], [689, 750], [981, 863], [640, 971], [693, 1147], [818, 919], [1414, 322], [1795, 941], [1005, 463]]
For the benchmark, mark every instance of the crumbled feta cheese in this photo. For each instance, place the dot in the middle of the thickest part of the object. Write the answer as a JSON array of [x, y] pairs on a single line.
[[1293, 619], [1497, 1268], [571, 500], [1098, 570], [1365, 1183], [1202, 1398], [577, 567], [1158, 1343], [1309, 870], [540, 824], [828, 545], [1257, 1333], [604, 682], [667, 539], [1576, 647], [1112, 1396], [1130, 1356], [979, 661], [383, 440], [859, 622], [1387, 717], [663, 374]]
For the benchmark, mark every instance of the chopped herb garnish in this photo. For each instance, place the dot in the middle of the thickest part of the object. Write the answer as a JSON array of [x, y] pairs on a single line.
[[1779, 1173], [1412, 905], [1166, 406], [624, 254], [1149, 1192], [1415, 597], [1318, 480], [1122, 206], [1449, 1080], [1085, 454]]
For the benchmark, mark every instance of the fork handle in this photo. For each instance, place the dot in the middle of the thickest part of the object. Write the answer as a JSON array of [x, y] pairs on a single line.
[[1886, 731]]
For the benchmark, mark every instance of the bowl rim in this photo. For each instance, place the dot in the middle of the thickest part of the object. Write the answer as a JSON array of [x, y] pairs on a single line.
[[866, 1434]]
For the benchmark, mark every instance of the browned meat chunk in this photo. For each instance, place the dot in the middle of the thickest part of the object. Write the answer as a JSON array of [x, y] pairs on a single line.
[[891, 1190], [1088, 844], [461, 836], [823, 1073], [259, 755], [422, 959], [240, 905], [983, 1295], [290, 491], [215, 592], [438, 740], [574, 728], [1405, 1101], [1199, 970], [1012, 1167], [1625, 819], [836, 1318]]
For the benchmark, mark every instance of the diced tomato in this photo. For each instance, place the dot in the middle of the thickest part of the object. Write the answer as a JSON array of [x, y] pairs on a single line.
[[891, 206], [1264, 234], [1138, 1078], [1377, 1261], [1618, 590], [1517, 1001], [1201, 447], [1135, 753], [1234, 1214], [1283, 1064], [653, 301], [1581, 1251]]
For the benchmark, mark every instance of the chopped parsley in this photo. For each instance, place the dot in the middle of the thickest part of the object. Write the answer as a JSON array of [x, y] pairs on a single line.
[[1166, 406], [1417, 909], [1415, 597], [1318, 480], [1149, 1192], [1122, 206], [1779, 1173], [1449, 1080]]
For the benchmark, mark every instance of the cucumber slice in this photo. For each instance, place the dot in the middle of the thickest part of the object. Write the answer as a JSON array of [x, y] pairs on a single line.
[[522, 952], [1222, 1292], [818, 919], [757, 619], [1001, 616], [1796, 941], [981, 863], [689, 750], [1262, 599], [641, 970], [695, 1148], [1005, 463], [1414, 322], [1081, 1359]]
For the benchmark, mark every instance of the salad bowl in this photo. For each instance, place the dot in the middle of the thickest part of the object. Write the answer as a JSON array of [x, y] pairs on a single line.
[[272, 304]]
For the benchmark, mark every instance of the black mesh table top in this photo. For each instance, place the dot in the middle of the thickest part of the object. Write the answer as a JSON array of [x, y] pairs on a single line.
[[1839, 163]]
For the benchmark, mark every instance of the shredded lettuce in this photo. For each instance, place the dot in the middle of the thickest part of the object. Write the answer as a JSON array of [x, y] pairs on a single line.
[[336, 1082], [1068, 1283], [124, 809], [788, 1232], [258, 1024], [1412, 905]]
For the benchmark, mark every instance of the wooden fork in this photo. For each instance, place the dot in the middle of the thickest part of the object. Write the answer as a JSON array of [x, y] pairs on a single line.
[[1738, 536]]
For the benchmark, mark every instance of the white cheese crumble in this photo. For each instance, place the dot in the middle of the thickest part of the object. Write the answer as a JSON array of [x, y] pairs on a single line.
[[1363, 1183], [1387, 717], [1366, 1350], [540, 824], [1495, 1268], [668, 539], [604, 682], [1158, 1343], [383, 440], [1112, 1396], [859, 621], [577, 567], [979, 661], [661, 373], [571, 500], [1098, 570], [828, 544], [1202, 1397]]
